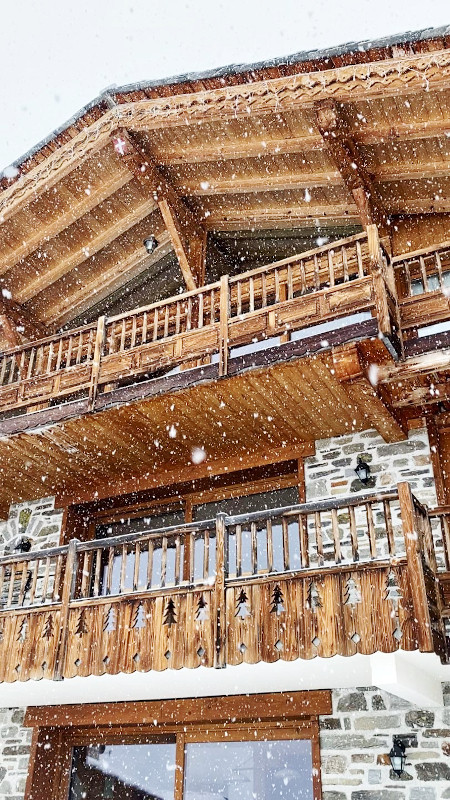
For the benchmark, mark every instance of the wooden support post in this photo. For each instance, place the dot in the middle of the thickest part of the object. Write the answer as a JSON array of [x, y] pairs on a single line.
[[435, 451], [223, 324], [379, 285], [70, 575], [219, 591], [413, 548], [96, 362]]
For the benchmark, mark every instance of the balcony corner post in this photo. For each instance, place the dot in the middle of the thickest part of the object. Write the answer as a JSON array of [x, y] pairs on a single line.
[[415, 567], [96, 362], [68, 590], [223, 324], [219, 593]]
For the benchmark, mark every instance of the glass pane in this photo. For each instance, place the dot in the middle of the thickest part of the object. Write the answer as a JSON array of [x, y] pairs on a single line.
[[278, 770], [150, 522], [123, 772]]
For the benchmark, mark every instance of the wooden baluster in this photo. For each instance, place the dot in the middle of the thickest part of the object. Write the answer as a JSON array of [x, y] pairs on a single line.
[[331, 277], [189, 556], [353, 533], [415, 568], [23, 583], [251, 289], [437, 259], [39, 360], [239, 299], [150, 563], [407, 278], [290, 283], [359, 259], [109, 570], [371, 530], [70, 576], [31, 362], [336, 536], [58, 356], [166, 320], [277, 285], [345, 264], [96, 362], [303, 540], [57, 578], [205, 555], [219, 593], [423, 272], [49, 359], [155, 324], [389, 527], [69, 352], [44, 588], [123, 569], [163, 561], [303, 286], [3, 369], [264, 290], [445, 527], [238, 551], [319, 538], [12, 578], [285, 529], [223, 324], [98, 571], [133, 331], [144, 328], [123, 334], [34, 580], [86, 574], [90, 346], [177, 572], [316, 273], [79, 348], [212, 307], [12, 369], [137, 560], [200, 310], [254, 552], [269, 540]]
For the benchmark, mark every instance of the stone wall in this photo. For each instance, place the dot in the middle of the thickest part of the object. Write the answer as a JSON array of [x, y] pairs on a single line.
[[15, 743], [38, 521], [355, 740], [331, 472]]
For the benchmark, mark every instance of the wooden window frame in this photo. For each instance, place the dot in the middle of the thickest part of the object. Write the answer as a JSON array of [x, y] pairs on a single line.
[[266, 717]]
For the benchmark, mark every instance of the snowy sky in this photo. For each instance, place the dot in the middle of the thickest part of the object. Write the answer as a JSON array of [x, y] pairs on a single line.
[[56, 56]]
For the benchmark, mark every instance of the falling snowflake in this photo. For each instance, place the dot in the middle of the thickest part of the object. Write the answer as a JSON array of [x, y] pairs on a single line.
[[198, 455]]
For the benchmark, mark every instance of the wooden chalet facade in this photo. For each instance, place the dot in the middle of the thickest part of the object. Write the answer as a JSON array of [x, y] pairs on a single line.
[[225, 353]]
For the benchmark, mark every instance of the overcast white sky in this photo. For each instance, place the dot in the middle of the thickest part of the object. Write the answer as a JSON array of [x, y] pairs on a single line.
[[55, 55]]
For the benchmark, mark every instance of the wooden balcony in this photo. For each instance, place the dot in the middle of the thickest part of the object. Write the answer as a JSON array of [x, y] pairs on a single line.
[[337, 577], [338, 280], [423, 281]]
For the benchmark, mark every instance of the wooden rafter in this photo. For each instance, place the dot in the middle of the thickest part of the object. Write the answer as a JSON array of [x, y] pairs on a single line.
[[188, 236], [343, 151]]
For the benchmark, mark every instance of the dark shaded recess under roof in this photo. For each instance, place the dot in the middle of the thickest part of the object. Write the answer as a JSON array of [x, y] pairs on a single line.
[[242, 250], [352, 52]]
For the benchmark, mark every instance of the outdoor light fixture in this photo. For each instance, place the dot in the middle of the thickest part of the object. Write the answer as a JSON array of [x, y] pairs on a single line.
[[362, 470], [150, 244], [397, 755], [22, 545]]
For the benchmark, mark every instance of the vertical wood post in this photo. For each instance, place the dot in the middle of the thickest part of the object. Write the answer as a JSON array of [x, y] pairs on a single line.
[[379, 285], [223, 324], [413, 548], [96, 361], [70, 575], [219, 591]]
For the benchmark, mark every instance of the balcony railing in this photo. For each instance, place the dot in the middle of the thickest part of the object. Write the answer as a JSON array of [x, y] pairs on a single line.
[[423, 280], [336, 577], [339, 279]]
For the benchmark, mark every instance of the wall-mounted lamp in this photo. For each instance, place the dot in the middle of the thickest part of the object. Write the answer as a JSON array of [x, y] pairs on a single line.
[[150, 244], [397, 755], [362, 470]]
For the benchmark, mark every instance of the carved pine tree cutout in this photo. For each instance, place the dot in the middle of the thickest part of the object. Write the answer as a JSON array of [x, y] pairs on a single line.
[[242, 608], [313, 598], [202, 612], [170, 616], [138, 620], [352, 593], [393, 592], [81, 624], [277, 606], [22, 631], [48, 629], [110, 620]]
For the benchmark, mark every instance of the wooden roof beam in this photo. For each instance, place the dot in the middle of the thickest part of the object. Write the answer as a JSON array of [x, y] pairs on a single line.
[[17, 324], [188, 236], [344, 153]]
